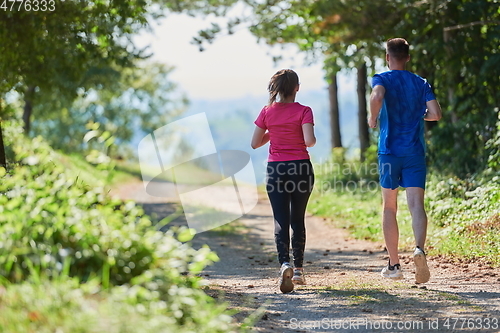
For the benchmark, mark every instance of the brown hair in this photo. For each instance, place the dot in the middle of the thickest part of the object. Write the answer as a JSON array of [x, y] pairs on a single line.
[[282, 84], [398, 48]]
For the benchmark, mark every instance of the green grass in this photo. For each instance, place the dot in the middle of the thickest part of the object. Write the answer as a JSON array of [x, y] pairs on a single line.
[[77, 166], [468, 244], [131, 168], [67, 306], [235, 227], [349, 211], [365, 294], [466, 216]]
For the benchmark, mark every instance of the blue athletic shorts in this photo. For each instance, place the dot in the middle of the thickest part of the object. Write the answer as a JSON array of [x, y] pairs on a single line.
[[405, 171]]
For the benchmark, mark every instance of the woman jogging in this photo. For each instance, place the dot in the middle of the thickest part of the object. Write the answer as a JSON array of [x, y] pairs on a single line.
[[288, 126]]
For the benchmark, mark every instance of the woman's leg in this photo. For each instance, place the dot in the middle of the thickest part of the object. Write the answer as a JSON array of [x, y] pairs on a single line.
[[304, 182], [280, 203]]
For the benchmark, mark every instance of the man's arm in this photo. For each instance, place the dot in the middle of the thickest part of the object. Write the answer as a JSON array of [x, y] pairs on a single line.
[[376, 101], [433, 111]]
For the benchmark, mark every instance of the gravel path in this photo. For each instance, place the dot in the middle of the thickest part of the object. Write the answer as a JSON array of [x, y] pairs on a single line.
[[344, 291]]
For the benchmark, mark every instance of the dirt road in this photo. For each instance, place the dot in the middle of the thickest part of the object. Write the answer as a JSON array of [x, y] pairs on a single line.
[[344, 291]]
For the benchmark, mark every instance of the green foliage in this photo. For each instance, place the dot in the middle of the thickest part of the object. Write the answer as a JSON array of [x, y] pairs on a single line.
[[206, 7], [12, 131], [468, 216], [67, 306], [51, 57], [493, 145], [48, 217], [58, 49], [140, 98], [454, 44], [54, 227]]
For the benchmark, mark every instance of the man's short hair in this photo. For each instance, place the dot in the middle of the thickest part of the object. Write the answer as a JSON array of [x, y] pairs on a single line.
[[398, 48]]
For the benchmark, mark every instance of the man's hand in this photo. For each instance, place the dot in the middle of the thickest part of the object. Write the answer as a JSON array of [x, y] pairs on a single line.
[[372, 122]]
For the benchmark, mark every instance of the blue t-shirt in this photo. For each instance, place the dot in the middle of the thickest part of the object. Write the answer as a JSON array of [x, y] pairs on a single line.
[[402, 115]]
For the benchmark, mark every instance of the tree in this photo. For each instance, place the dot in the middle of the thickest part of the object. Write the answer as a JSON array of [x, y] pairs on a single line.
[[64, 49], [140, 99], [454, 45], [6, 111], [3, 159], [336, 137], [326, 29], [456, 48], [56, 50], [364, 135]]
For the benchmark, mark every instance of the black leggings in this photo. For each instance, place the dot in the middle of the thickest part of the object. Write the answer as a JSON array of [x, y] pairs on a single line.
[[289, 185]]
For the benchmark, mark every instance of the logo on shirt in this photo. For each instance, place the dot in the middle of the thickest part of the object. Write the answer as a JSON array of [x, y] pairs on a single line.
[[180, 160]]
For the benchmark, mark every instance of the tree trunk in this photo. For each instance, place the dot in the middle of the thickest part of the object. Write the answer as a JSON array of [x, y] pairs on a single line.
[[28, 108], [3, 160], [453, 77], [364, 135], [334, 112]]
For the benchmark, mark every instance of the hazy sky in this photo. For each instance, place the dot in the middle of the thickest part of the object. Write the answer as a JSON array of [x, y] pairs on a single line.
[[233, 66]]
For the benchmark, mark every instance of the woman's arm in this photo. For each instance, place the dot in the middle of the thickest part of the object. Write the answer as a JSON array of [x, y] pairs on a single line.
[[260, 137], [309, 138]]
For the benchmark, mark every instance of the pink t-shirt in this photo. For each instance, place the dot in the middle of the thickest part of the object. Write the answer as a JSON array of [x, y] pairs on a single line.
[[284, 122]]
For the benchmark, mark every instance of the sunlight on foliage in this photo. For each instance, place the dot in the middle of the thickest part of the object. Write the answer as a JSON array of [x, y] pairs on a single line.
[[61, 237]]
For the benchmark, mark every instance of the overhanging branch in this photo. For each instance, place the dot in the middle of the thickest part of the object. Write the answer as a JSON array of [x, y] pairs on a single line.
[[468, 25]]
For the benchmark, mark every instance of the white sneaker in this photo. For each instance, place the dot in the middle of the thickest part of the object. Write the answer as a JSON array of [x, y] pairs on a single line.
[[298, 276], [422, 274], [392, 272], [286, 273]]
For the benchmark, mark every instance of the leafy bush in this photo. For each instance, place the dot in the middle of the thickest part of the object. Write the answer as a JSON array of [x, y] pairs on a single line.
[[47, 218], [67, 306], [53, 226], [468, 213], [493, 145]]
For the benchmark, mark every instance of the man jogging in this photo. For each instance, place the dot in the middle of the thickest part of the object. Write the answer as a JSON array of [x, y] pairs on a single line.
[[402, 100]]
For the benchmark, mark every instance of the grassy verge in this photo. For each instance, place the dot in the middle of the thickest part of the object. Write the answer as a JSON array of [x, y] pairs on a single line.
[[188, 174], [68, 306], [77, 167], [467, 217], [74, 260]]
